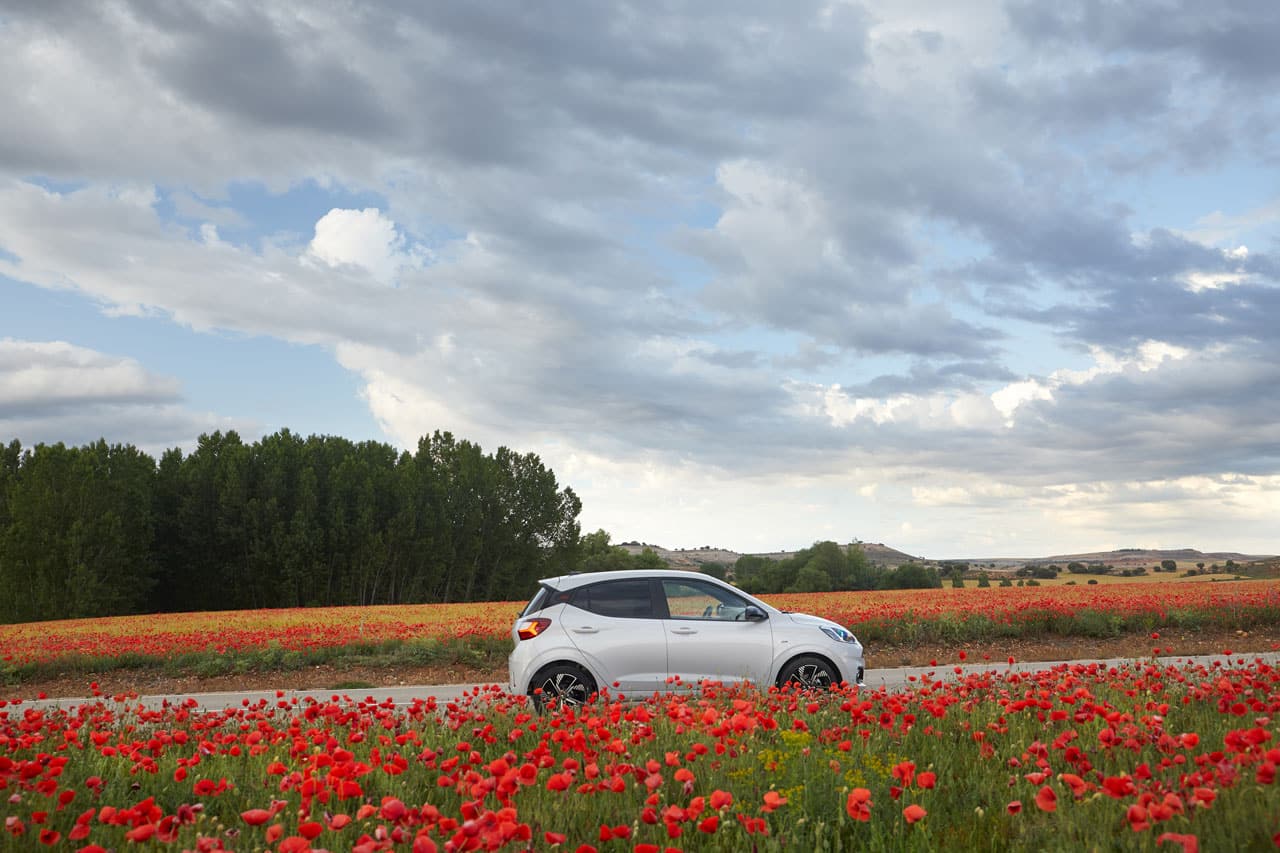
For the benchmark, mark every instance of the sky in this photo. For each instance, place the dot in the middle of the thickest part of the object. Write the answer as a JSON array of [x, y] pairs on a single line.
[[969, 279]]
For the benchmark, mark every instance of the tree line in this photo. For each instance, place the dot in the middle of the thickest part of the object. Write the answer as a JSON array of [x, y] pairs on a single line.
[[285, 521], [828, 567]]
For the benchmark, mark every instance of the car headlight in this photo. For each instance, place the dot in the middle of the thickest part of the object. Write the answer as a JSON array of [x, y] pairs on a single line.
[[840, 635]]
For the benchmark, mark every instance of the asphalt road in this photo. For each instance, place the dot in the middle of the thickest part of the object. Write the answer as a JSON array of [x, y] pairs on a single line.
[[886, 679]]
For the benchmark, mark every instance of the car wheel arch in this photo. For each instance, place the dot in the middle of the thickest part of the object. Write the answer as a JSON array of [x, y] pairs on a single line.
[[543, 670], [799, 656]]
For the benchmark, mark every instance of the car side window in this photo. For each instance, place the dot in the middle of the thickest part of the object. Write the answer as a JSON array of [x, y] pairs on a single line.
[[696, 600], [620, 599]]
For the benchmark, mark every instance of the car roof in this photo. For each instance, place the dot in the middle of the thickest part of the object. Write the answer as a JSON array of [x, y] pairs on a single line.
[[573, 581]]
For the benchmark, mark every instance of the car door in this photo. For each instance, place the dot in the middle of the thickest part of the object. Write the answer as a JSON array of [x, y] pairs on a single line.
[[615, 627], [708, 636]]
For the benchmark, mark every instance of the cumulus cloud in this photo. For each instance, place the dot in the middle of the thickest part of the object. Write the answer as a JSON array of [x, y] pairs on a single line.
[[362, 238]]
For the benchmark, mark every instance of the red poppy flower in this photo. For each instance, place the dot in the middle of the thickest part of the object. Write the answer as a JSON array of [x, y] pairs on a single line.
[[859, 804], [1078, 786], [1047, 800], [914, 813], [1190, 844]]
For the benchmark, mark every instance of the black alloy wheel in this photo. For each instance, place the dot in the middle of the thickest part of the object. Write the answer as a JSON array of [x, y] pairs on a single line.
[[563, 683], [809, 673]]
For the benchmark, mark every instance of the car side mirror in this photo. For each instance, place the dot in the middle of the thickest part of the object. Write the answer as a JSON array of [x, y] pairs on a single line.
[[754, 614]]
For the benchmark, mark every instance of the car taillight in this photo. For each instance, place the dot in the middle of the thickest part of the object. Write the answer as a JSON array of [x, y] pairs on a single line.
[[531, 628]]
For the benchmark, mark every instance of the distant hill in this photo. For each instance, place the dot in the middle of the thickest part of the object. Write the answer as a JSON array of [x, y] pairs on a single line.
[[1144, 556], [877, 552], [693, 558], [881, 554]]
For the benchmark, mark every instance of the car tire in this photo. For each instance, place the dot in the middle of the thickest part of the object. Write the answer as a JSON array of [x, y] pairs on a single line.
[[564, 683], [809, 672]]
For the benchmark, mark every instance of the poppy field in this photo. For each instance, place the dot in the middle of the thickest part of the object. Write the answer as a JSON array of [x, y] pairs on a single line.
[[1138, 757], [266, 640]]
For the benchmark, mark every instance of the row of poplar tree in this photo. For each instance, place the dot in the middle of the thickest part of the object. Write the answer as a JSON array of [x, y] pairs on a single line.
[[281, 522]]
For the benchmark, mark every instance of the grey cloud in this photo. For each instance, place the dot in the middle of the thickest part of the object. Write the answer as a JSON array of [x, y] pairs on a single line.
[[240, 61], [924, 378], [1167, 311], [1077, 101], [1235, 39], [734, 359], [1180, 420]]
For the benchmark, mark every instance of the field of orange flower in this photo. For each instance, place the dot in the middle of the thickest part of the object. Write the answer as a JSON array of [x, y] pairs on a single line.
[[1137, 757], [275, 639]]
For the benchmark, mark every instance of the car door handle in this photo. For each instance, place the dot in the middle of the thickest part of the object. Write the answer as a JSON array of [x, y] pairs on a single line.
[[586, 629], [684, 630]]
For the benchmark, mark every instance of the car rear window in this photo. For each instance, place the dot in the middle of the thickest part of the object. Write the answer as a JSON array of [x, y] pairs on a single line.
[[536, 603], [544, 598]]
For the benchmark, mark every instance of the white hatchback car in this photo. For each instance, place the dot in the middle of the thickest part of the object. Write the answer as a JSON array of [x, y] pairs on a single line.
[[631, 631]]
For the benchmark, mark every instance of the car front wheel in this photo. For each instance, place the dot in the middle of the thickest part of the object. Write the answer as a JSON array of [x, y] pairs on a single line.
[[562, 682], [810, 673]]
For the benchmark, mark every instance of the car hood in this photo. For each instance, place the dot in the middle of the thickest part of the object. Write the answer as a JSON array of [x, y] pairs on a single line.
[[816, 621]]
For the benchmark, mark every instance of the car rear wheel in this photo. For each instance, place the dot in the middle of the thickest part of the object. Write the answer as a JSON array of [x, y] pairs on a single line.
[[562, 682], [810, 673]]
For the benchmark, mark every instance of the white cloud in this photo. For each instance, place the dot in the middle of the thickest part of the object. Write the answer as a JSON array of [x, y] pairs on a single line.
[[1010, 397], [55, 391], [112, 245], [363, 238], [42, 374]]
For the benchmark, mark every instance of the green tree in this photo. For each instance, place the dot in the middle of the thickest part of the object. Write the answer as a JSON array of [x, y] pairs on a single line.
[[649, 559], [284, 521], [715, 570], [810, 578], [911, 576], [749, 566], [832, 562], [79, 532]]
